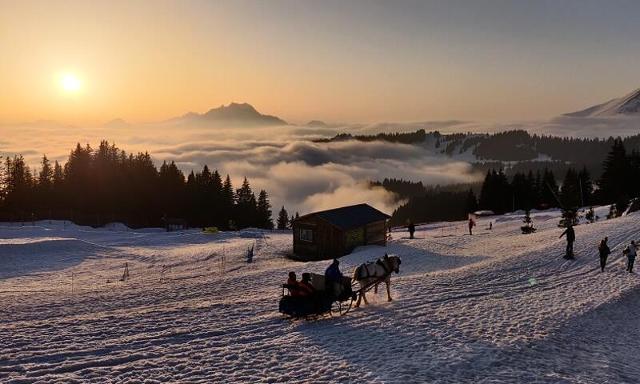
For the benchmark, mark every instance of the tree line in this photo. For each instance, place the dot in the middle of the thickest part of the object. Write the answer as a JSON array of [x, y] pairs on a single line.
[[102, 185], [618, 183]]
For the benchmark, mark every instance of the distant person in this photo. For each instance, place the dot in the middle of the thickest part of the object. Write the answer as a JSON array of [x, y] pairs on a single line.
[[604, 251], [571, 238], [412, 229], [472, 223], [631, 251], [490, 225]]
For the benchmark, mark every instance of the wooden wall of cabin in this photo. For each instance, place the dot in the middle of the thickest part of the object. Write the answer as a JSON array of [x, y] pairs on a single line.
[[376, 233], [328, 241]]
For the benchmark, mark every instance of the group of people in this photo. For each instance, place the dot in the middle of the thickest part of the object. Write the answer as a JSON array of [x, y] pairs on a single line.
[[333, 280], [631, 251], [603, 249]]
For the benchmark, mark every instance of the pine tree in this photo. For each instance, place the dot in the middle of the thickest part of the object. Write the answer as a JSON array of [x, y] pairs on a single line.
[[19, 187], [586, 186], [246, 206], [227, 203], [264, 211], [615, 175], [532, 193], [549, 189], [283, 219], [569, 217], [45, 177], [570, 191], [528, 223]]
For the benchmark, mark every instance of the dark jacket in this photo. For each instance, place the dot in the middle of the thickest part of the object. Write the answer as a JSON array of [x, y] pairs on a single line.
[[333, 273], [604, 250], [571, 234]]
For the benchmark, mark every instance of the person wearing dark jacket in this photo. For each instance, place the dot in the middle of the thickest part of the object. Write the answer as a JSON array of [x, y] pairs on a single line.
[[412, 229], [604, 251], [333, 278], [571, 238]]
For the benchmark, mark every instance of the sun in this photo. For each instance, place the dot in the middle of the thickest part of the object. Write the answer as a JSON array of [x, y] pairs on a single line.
[[70, 83]]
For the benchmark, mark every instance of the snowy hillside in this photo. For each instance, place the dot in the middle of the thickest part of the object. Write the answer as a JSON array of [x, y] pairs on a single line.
[[627, 105], [497, 307]]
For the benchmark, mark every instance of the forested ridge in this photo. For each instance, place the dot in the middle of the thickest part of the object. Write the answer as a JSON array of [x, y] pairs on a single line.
[[618, 182], [509, 146]]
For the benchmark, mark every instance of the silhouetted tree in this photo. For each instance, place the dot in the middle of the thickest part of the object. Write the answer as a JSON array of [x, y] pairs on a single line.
[[264, 219], [107, 184], [246, 206], [616, 174], [283, 219], [570, 191]]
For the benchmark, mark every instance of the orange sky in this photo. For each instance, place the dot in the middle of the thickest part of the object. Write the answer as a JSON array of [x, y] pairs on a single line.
[[355, 62]]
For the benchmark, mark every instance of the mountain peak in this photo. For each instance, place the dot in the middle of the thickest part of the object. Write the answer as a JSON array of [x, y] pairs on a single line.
[[626, 105], [233, 114]]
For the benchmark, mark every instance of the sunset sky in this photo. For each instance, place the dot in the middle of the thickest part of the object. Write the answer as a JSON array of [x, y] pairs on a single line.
[[90, 62]]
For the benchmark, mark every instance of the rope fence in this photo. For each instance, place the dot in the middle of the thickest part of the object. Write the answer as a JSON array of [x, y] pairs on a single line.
[[134, 275]]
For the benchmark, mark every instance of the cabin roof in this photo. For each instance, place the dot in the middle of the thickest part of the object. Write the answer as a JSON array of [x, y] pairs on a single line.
[[349, 217]]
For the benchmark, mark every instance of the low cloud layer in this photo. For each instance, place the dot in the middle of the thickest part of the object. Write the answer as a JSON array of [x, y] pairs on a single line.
[[297, 172]]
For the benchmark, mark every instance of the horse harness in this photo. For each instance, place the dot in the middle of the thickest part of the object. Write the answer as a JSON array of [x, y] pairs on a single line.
[[380, 262]]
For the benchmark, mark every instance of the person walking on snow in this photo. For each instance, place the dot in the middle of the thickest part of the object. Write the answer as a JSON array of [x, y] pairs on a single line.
[[604, 251], [631, 251], [472, 223], [571, 238], [412, 229]]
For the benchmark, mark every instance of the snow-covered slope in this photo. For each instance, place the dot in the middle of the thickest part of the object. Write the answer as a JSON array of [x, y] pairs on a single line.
[[627, 105], [498, 307]]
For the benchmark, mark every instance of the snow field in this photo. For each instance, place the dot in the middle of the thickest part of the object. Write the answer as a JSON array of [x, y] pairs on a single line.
[[495, 307]]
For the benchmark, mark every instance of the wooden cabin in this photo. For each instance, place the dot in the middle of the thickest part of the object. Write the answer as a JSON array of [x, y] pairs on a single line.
[[336, 232]]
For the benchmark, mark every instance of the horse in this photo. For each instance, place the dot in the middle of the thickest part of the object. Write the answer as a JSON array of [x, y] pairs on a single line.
[[375, 273]]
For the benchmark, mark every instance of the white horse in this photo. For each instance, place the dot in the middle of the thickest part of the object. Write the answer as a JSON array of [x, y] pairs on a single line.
[[375, 273]]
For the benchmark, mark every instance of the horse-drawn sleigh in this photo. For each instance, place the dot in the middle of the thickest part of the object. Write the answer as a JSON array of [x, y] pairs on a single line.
[[337, 297]]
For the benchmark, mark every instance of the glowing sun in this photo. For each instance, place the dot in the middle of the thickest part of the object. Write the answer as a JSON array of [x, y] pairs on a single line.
[[70, 83]]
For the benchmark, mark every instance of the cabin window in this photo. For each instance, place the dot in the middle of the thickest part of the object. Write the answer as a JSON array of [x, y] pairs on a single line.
[[306, 235]]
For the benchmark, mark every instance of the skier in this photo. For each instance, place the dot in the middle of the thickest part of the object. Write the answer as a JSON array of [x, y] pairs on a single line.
[[604, 251], [412, 229], [571, 238], [631, 251]]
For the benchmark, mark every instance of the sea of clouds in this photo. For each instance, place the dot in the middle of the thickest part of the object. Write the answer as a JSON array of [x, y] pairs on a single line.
[[297, 172]]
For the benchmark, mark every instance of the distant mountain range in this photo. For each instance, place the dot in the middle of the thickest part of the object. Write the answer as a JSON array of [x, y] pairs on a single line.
[[627, 105], [232, 114]]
